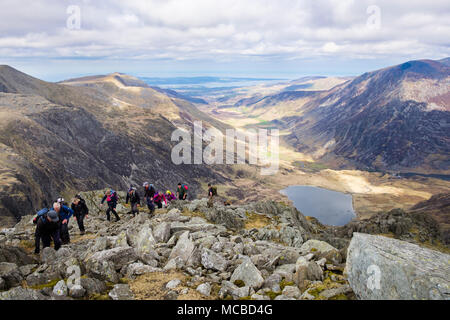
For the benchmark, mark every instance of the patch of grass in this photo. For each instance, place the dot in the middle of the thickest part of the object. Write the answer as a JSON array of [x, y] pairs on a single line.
[[188, 213], [312, 167], [98, 296], [239, 283], [272, 295], [49, 284], [27, 245], [284, 284], [256, 221]]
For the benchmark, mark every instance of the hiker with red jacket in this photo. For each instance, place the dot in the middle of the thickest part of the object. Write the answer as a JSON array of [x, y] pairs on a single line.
[[111, 199], [160, 200], [182, 191]]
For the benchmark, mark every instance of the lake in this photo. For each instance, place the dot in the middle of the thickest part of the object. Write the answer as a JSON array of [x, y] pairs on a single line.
[[329, 207]]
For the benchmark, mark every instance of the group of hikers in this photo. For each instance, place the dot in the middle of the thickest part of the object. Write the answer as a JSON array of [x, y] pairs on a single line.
[[53, 223]]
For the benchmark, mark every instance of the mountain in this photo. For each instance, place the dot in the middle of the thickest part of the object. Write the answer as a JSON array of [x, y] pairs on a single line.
[[393, 119], [83, 134]]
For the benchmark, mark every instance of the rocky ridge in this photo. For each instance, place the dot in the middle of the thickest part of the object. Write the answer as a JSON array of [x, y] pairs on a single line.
[[259, 251]]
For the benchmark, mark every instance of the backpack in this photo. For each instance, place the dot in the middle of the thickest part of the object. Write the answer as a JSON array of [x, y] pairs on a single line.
[[39, 214], [184, 186], [214, 191]]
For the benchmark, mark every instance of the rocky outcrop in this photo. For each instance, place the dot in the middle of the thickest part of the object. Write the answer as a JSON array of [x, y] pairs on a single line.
[[384, 268], [114, 258]]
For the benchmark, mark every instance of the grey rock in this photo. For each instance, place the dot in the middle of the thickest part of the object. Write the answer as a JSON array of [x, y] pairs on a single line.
[[77, 291], [212, 260], [171, 295], [184, 247], [330, 293], [145, 241], [306, 271], [93, 286], [102, 270], [2, 284], [60, 289], [316, 246], [48, 255], [229, 288], [172, 284], [11, 274], [259, 297], [137, 269], [161, 232], [283, 297], [19, 293], [204, 289], [248, 273], [27, 269], [383, 268], [273, 282], [291, 292], [119, 257], [286, 271], [15, 255], [121, 292]]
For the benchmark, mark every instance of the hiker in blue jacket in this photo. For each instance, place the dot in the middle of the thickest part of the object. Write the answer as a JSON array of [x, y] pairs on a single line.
[[65, 213]]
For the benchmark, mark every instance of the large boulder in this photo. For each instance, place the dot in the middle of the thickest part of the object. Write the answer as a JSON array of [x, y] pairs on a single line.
[[19, 293], [120, 256], [11, 274], [15, 255], [161, 232], [307, 271], [249, 274], [184, 248], [121, 292], [322, 250], [145, 241], [384, 268], [92, 285], [212, 260], [103, 270]]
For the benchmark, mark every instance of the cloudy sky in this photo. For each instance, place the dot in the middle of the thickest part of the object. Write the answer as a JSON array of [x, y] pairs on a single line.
[[55, 40]]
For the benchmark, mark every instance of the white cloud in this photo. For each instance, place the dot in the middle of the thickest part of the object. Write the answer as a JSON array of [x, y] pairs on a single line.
[[223, 30]]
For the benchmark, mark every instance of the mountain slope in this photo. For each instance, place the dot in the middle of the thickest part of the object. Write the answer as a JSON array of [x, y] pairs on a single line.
[[59, 139], [396, 118]]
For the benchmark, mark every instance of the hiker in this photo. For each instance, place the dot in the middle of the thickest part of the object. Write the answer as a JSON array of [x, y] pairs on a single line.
[[47, 228], [170, 196], [64, 215], [111, 200], [150, 205], [149, 193], [81, 211], [182, 191], [135, 201], [212, 192], [160, 200]]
